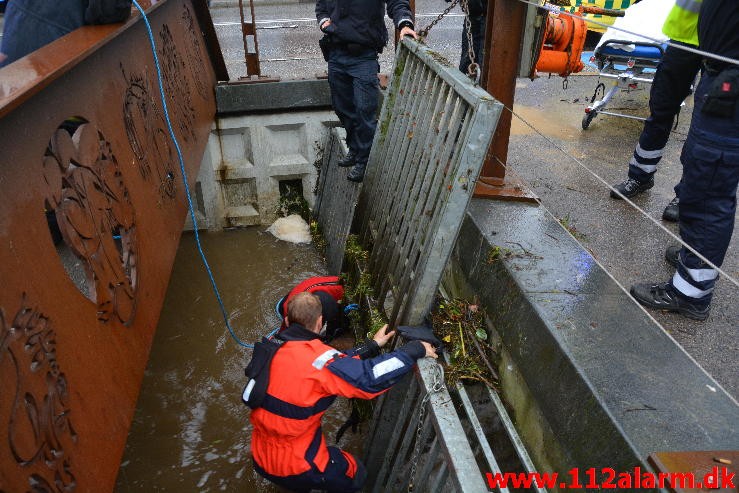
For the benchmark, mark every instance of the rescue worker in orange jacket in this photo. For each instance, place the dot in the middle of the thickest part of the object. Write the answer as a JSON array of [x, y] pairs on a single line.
[[305, 376]]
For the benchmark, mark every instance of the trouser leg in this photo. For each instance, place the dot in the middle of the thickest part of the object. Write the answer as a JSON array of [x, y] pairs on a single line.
[[342, 98], [708, 189], [671, 85], [366, 95]]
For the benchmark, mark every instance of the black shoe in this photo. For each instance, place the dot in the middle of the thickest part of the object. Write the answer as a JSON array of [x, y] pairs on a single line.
[[631, 187], [664, 297], [357, 173], [672, 255], [348, 161], [672, 211]]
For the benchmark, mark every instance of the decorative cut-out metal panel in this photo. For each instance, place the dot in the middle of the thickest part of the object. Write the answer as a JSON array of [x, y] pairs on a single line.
[[91, 214], [430, 144], [335, 202]]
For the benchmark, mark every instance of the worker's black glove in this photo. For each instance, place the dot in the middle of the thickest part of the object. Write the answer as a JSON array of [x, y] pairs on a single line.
[[368, 350]]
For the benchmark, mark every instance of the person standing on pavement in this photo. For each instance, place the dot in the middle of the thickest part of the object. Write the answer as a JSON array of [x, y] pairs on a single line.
[[675, 75], [303, 378], [355, 34], [710, 159]]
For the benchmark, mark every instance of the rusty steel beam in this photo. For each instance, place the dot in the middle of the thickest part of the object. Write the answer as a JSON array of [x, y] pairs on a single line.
[[249, 31], [715, 463], [87, 164], [504, 27]]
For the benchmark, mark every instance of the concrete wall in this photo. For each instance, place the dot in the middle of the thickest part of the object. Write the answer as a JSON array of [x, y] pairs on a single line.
[[250, 152], [590, 378]]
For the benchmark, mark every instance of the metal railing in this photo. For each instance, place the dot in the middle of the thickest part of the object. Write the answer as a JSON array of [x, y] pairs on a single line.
[[417, 440]]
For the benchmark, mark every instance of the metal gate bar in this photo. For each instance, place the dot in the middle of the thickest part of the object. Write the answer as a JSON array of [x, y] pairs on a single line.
[[335, 201], [432, 135], [386, 460]]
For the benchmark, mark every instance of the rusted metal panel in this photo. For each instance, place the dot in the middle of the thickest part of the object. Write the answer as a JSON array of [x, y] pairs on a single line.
[[83, 138], [249, 37], [709, 467]]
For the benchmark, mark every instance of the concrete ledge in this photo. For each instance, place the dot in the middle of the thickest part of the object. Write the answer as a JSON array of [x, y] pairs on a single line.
[[612, 385], [238, 98]]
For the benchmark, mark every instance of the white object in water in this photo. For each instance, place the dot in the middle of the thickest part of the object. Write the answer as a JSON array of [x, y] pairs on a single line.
[[292, 228]]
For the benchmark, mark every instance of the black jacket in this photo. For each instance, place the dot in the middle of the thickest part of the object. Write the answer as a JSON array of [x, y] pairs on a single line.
[[362, 21]]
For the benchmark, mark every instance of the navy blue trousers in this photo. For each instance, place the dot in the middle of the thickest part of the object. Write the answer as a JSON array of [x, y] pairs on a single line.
[[31, 24], [707, 194], [675, 74], [355, 95], [334, 479]]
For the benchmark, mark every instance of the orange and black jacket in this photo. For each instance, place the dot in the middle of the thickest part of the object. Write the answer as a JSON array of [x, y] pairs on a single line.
[[305, 377]]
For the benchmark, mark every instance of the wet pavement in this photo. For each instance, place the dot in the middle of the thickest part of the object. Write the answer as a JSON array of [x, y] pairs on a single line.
[[628, 245], [288, 37], [191, 430]]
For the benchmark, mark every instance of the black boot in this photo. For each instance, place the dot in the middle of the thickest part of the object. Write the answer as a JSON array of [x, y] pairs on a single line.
[[672, 255], [631, 187], [348, 161], [672, 211], [357, 173], [664, 297]]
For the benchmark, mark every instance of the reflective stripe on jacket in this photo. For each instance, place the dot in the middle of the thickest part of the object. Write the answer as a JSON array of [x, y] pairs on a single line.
[[682, 21]]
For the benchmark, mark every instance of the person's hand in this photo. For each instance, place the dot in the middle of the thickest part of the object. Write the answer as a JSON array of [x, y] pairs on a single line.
[[325, 25], [407, 31], [382, 336], [430, 350]]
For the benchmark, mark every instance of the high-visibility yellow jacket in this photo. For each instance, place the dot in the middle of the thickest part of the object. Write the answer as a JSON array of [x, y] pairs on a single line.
[[682, 22]]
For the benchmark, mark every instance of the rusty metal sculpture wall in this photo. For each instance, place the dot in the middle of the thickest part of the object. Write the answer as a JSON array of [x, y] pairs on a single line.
[[91, 212]]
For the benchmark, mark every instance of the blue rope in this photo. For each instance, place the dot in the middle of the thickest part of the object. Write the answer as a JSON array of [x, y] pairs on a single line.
[[184, 179]]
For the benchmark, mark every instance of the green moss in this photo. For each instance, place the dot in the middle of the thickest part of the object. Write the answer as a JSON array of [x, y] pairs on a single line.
[[317, 236], [461, 327], [354, 252], [293, 202], [567, 224]]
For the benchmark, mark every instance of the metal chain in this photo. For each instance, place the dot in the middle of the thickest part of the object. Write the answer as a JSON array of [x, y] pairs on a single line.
[[473, 69], [425, 31], [437, 386]]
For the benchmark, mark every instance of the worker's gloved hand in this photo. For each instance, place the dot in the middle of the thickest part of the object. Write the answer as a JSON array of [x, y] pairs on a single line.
[[418, 350], [419, 333]]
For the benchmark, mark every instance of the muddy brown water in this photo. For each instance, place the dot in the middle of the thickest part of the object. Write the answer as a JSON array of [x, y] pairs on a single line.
[[191, 431]]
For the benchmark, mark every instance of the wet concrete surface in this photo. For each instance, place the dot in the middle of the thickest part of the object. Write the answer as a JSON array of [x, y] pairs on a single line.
[[288, 38], [191, 429], [628, 245]]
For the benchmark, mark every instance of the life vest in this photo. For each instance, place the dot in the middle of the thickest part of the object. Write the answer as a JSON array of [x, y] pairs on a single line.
[[332, 285], [287, 437], [682, 22]]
